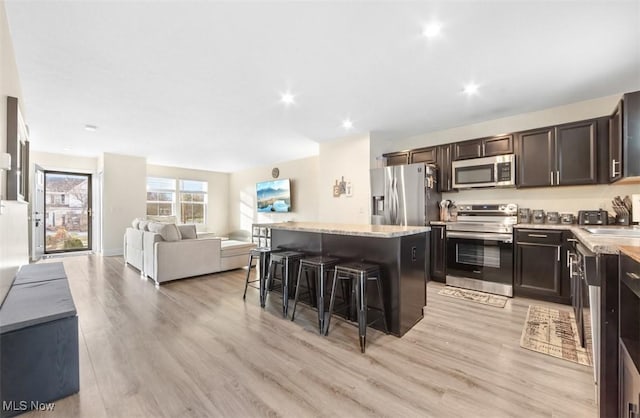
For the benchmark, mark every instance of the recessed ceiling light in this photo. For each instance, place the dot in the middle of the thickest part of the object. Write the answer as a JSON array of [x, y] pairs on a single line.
[[431, 30], [287, 98], [90, 128], [347, 124], [470, 89]]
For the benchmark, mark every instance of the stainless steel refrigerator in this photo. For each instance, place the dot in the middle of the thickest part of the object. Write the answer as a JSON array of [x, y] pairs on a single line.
[[404, 195]]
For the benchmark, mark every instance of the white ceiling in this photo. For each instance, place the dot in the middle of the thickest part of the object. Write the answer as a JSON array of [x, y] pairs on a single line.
[[197, 84]]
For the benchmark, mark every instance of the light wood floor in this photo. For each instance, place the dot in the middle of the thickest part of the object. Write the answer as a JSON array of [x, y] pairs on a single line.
[[194, 348]]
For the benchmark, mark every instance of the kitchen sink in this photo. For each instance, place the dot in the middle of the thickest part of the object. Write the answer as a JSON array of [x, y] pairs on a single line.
[[633, 232]]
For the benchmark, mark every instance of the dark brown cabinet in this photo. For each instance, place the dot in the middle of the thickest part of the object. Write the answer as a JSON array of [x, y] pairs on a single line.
[[438, 256], [424, 155], [397, 158], [535, 159], [559, 156], [483, 147], [539, 261], [615, 144], [629, 344], [445, 153], [624, 138]]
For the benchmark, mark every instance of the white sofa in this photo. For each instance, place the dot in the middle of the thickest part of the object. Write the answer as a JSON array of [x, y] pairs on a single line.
[[164, 260]]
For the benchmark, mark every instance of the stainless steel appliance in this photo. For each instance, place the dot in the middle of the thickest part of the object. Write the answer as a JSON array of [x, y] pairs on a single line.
[[592, 217], [404, 195], [480, 248], [585, 295], [499, 170]]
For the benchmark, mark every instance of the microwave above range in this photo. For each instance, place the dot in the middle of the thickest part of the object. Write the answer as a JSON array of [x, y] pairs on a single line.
[[498, 171]]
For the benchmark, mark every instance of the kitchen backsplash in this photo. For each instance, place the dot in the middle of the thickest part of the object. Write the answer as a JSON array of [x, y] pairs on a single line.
[[560, 199]]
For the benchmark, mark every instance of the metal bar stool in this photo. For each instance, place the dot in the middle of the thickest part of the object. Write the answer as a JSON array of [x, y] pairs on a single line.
[[320, 266], [359, 273], [286, 260], [263, 254]]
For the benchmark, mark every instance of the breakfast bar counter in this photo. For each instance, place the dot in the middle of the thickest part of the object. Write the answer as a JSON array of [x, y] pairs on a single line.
[[400, 251]]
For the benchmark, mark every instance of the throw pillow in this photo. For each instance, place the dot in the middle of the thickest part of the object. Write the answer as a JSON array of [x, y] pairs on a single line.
[[188, 231], [168, 232], [135, 223], [143, 225]]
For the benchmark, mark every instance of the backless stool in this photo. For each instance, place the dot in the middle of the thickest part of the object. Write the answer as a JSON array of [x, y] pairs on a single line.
[[263, 254], [359, 273], [287, 261], [320, 266]]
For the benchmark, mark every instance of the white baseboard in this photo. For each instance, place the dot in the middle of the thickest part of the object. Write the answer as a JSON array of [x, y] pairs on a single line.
[[112, 252]]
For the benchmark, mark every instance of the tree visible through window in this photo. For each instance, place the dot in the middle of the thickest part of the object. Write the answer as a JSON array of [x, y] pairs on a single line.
[[193, 201], [161, 196]]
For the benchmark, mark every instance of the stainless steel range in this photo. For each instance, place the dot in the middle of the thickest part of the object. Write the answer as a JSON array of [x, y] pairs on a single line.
[[480, 248]]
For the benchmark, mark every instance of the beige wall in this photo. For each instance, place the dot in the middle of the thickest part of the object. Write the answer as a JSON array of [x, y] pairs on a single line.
[[304, 185], [14, 244], [124, 197], [562, 199], [51, 161], [346, 157], [217, 205]]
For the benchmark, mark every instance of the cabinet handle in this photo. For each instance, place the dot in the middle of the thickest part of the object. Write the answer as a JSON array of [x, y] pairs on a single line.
[[557, 176], [613, 168], [441, 233], [572, 240], [537, 235], [551, 175], [558, 253], [569, 262], [633, 276]]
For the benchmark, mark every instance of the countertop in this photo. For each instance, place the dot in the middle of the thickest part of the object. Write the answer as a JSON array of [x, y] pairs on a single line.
[[596, 243], [633, 252], [377, 231]]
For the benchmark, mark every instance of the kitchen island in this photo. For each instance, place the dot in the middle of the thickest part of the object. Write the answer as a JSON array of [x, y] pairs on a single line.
[[400, 251]]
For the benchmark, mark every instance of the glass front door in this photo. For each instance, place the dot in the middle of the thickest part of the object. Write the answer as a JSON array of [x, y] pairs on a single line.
[[67, 217]]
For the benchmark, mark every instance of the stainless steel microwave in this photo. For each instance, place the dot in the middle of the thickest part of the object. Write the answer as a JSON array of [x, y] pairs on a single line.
[[497, 171]]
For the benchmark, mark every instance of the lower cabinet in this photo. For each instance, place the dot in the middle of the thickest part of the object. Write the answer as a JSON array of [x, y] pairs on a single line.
[[629, 343], [539, 266], [438, 266]]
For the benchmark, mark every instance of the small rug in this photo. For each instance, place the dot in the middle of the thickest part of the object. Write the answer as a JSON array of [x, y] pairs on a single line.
[[553, 332], [473, 296]]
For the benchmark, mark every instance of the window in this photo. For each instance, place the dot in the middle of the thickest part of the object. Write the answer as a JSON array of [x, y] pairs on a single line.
[[161, 196], [193, 201]]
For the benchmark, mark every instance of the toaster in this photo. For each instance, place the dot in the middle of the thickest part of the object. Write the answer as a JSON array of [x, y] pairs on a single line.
[[592, 217]]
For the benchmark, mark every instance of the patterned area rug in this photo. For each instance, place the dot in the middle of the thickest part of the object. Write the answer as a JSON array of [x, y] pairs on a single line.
[[473, 296], [553, 332]]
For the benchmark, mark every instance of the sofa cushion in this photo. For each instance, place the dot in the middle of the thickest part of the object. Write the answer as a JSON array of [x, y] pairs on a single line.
[[135, 223], [232, 248], [143, 225], [188, 231], [168, 232]]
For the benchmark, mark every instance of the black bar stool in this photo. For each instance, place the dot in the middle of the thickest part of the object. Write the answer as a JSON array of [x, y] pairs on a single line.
[[286, 260], [359, 273], [263, 254], [320, 266]]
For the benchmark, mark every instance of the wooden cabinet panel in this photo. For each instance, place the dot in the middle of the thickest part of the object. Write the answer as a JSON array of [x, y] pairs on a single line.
[[445, 152], [631, 135], [629, 385], [498, 145], [535, 160], [467, 149], [424, 155], [397, 158], [576, 153], [540, 255], [615, 144], [438, 268]]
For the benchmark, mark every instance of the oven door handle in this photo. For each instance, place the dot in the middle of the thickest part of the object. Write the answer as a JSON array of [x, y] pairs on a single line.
[[486, 237]]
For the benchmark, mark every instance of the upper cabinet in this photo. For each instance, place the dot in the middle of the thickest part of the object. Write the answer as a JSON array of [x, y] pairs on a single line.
[[624, 139], [483, 147], [424, 155], [397, 158], [445, 154], [561, 155]]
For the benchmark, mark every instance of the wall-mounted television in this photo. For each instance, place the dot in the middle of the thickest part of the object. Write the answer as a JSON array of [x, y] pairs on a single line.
[[274, 196]]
